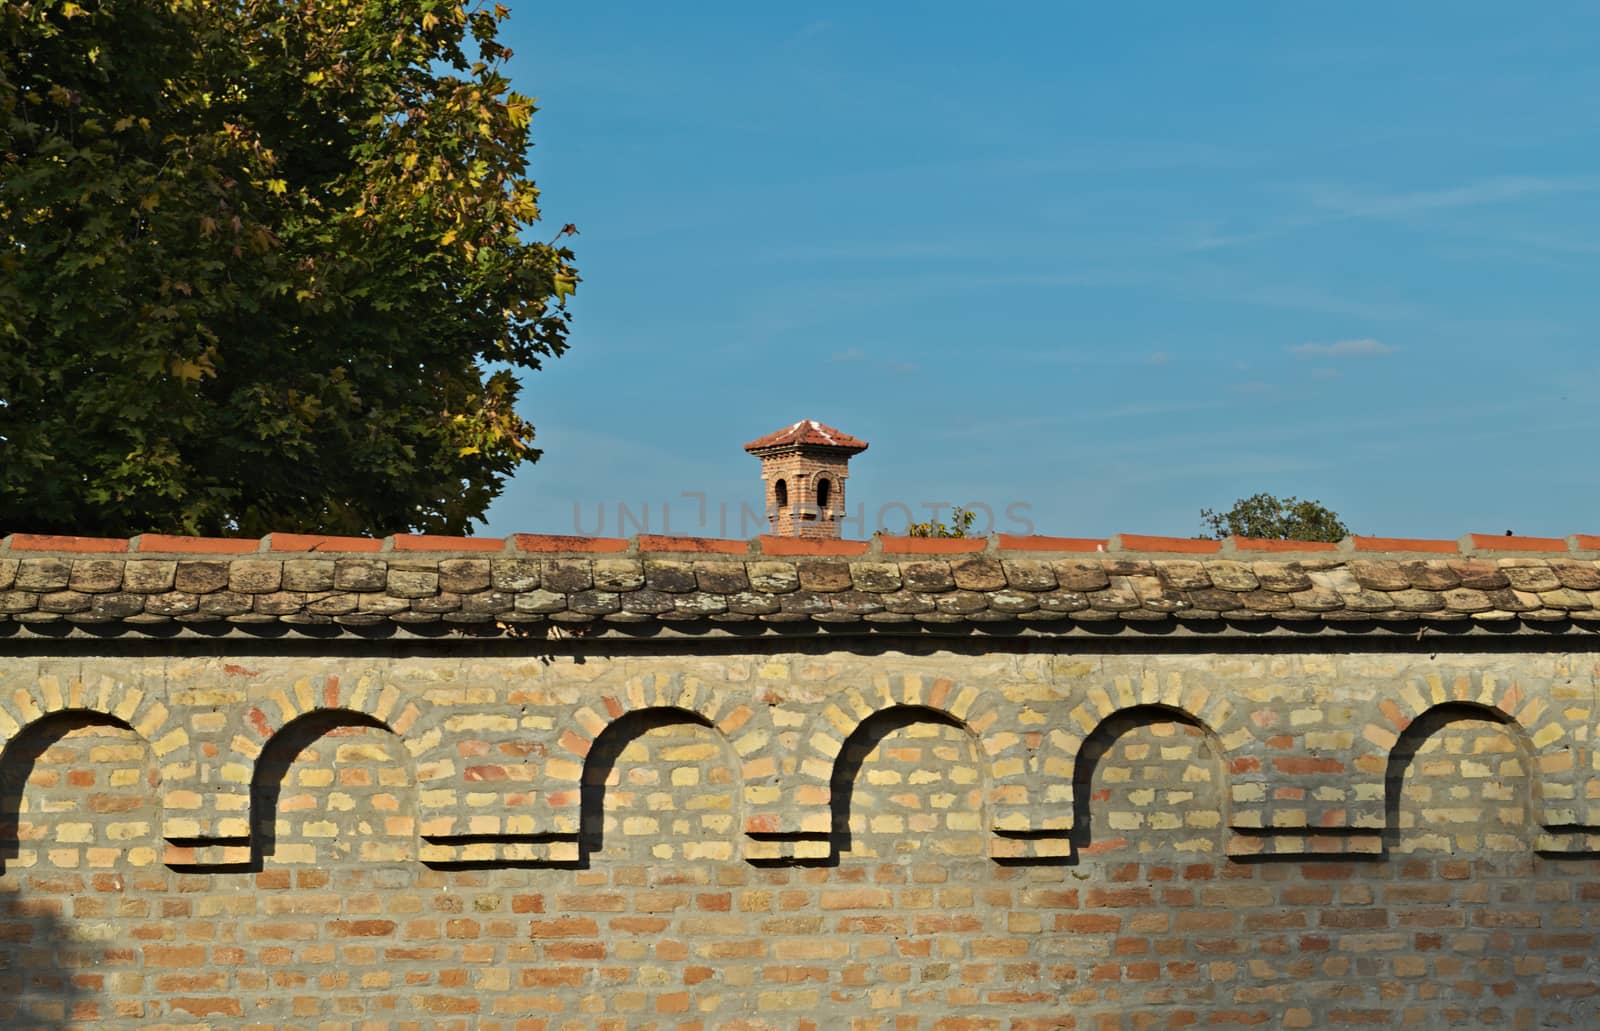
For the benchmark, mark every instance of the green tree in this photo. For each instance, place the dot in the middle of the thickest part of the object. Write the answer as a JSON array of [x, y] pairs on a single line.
[[264, 264], [1263, 515], [961, 520]]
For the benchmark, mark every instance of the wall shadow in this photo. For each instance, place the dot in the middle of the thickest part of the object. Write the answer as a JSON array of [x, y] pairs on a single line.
[[46, 979], [1416, 736], [1102, 740], [602, 759], [17, 763], [274, 764], [847, 767]]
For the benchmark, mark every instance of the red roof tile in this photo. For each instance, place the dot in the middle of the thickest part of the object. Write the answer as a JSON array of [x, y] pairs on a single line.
[[437, 542], [1177, 545], [320, 542], [1033, 542], [153, 542], [1360, 543], [1273, 544], [553, 543], [771, 545], [809, 432], [930, 545], [704, 545], [52, 542], [1495, 542]]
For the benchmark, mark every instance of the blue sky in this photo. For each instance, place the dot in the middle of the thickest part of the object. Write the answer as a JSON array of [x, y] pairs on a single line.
[[1112, 263]]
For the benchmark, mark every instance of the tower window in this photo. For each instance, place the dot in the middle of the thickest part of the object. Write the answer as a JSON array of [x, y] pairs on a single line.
[[780, 492], [824, 490]]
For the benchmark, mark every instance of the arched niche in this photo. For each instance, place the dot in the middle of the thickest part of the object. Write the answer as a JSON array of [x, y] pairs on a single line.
[[660, 784], [78, 790], [908, 786], [1149, 781], [1460, 779], [333, 787]]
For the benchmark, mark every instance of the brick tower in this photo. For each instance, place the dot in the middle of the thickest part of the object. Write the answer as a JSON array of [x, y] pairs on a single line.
[[804, 468]]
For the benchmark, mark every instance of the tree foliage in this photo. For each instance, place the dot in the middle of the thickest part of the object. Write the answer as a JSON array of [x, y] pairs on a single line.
[[1266, 516], [961, 520], [259, 261]]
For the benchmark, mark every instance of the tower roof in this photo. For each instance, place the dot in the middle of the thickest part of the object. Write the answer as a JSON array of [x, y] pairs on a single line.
[[808, 432]]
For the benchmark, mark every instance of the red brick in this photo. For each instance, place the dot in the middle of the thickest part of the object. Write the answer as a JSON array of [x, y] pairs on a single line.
[[161, 543], [1303, 765], [433, 542], [700, 545], [564, 927], [857, 898], [178, 956], [1405, 544], [1492, 542], [553, 977], [930, 545], [299, 542], [792, 546], [1015, 542], [574, 950], [446, 1004], [52, 542], [1089, 923], [1175, 545], [558, 544], [208, 1007], [1268, 544], [1097, 898]]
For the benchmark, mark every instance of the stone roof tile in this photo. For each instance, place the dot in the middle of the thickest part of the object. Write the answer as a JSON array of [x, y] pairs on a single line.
[[852, 590]]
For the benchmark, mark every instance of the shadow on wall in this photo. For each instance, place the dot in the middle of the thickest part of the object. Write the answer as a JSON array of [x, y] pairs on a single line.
[[601, 765], [1482, 785], [18, 764], [42, 983], [272, 775], [1170, 789], [855, 750]]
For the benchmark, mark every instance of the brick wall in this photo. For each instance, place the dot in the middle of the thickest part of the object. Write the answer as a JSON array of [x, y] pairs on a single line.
[[352, 834], [800, 471]]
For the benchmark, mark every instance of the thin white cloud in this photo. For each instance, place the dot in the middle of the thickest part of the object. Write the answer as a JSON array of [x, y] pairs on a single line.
[[1255, 386], [1331, 203], [1343, 349], [854, 354], [1359, 204]]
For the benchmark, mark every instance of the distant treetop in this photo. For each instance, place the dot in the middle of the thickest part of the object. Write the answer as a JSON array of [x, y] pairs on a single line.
[[1266, 516]]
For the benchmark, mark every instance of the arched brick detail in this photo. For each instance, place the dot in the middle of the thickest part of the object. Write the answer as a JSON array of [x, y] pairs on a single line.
[[1097, 755], [749, 737], [1058, 759], [1478, 796], [1556, 742], [383, 702], [1006, 748], [134, 706], [130, 705], [214, 827]]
